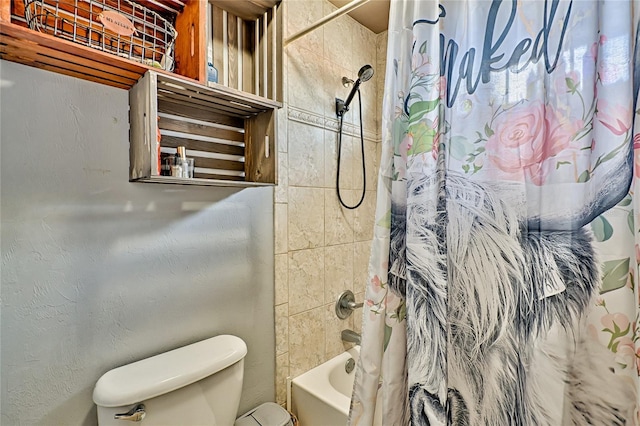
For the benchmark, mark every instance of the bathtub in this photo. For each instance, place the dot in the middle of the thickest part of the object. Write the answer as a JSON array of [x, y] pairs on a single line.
[[321, 396]]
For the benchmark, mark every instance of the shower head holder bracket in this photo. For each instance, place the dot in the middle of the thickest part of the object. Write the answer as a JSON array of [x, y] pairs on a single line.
[[341, 107]]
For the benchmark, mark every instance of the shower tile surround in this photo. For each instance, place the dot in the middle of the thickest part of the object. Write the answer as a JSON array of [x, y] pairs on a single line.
[[321, 248]]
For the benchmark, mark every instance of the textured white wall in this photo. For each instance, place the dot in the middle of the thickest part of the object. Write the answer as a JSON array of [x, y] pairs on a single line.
[[97, 271]]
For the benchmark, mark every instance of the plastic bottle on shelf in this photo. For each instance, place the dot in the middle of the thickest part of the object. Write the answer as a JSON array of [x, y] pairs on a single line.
[[212, 73], [184, 164], [176, 167]]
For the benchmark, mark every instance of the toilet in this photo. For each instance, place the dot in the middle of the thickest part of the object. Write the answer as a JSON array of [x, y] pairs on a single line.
[[198, 384]]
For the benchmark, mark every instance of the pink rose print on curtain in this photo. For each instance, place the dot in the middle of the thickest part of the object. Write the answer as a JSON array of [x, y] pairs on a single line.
[[616, 118], [524, 139]]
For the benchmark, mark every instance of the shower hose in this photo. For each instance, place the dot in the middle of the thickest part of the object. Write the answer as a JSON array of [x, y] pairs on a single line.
[[364, 177]]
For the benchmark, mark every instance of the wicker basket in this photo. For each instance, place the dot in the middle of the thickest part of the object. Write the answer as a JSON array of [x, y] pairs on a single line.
[[119, 27]]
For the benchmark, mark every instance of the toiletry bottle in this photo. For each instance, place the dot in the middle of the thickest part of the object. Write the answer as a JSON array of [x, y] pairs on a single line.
[[176, 168], [182, 153], [166, 164], [212, 73]]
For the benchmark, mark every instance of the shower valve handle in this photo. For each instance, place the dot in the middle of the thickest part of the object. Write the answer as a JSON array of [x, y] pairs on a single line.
[[346, 304]]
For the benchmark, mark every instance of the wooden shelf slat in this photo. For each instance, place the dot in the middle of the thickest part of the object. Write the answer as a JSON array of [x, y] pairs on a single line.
[[196, 145], [214, 163], [32, 54], [200, 130], [179, 108], [65, 70], [216, 91], [215, 180]]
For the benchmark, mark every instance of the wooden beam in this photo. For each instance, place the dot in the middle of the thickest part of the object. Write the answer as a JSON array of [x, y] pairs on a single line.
[[190, 51]]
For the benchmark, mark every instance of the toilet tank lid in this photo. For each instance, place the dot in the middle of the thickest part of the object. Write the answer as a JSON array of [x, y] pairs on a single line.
[[167, 371]]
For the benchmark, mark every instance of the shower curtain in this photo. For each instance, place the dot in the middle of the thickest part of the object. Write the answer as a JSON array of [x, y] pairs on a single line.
[[503, 281]]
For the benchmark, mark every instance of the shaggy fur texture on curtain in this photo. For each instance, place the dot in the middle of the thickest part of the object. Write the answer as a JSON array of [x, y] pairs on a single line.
[[488, 343]]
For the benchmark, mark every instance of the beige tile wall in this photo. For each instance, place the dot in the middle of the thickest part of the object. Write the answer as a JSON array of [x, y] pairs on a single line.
[[322, 248]]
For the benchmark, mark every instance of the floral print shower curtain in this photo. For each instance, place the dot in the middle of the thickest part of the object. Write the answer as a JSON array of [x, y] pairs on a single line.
[[503, 281]]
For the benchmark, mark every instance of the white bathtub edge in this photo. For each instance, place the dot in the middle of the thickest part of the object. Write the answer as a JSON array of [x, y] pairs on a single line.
[[318, 377]]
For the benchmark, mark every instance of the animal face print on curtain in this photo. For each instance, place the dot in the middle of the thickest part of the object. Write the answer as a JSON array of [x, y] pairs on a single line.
[[502, 290]]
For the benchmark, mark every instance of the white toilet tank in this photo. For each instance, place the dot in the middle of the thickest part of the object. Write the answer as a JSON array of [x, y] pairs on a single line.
[[198, 384]]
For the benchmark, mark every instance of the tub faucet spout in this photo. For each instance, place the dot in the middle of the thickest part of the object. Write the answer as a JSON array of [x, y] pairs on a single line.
[[351, 336]]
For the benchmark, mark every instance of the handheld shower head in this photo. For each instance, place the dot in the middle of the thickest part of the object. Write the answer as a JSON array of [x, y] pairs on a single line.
[[365, 74]]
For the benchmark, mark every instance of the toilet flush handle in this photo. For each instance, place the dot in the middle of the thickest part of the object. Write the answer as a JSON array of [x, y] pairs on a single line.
[[136, 414]]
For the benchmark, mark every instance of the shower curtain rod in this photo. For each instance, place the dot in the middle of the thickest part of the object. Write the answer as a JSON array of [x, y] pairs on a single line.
[[344, 9]]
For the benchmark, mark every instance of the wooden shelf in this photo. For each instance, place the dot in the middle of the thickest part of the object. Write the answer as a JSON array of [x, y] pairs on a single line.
[[202, 182], [28, 47], [18, 43], [230, 134], [246, 43], [250, 62]]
